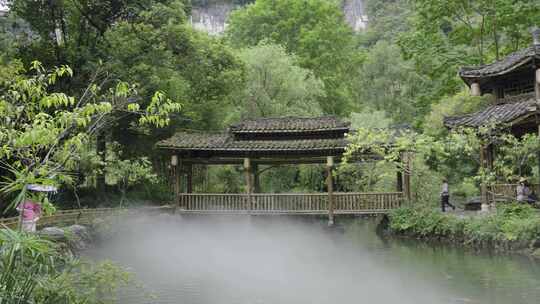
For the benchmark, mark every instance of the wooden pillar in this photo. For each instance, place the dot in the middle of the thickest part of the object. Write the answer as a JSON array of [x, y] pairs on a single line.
[[101, 150], [399, 181], [249, 184], [256, 180], [538, 159], [189, 180], [475, 89], [537, 85], [483, 187], [406, 159], [490, 158], [177, 173], [330, 189]]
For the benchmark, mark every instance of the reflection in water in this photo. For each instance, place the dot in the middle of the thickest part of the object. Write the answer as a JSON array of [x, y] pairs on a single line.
[[289, 260]]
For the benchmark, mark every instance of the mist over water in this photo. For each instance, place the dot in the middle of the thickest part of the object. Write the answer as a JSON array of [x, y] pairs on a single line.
[[236, 259]]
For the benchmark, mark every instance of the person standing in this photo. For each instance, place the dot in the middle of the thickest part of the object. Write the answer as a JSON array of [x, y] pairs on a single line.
[[31, 212], [522, 190], [445, 196]]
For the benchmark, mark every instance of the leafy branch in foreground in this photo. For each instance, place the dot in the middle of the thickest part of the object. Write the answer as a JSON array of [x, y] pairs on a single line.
[[32, 270], [44, 130]]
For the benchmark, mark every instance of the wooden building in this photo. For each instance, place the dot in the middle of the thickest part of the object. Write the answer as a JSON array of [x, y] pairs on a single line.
[[273, 141], [514, 82]]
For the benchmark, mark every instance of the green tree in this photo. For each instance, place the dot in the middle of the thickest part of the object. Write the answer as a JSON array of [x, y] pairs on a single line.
[[125, 173], [276, 85], [370, 119], [147, 43], [43, 131], [458, 104], [389, 83], [160, 51], [449, 34], [71, 31], [492, 27], [387, 20], [314, 30]]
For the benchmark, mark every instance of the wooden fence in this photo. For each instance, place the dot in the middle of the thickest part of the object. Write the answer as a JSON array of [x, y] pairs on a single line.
[[257, 203], [500, 192], [75, 216], [290, 203]]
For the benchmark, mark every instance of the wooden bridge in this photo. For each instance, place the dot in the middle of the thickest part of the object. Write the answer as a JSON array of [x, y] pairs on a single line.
[[253, 144], [245, 204], [289, 203]]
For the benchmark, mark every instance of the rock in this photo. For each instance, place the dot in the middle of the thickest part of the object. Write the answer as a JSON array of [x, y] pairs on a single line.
[[79, 237], [80, 231], [75, 237], [54, 234]]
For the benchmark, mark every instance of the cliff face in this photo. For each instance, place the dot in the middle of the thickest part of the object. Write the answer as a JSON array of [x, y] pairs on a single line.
[[211, 16], [355, 14]]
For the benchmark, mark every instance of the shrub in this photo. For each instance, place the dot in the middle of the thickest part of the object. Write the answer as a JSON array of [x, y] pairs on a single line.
[[512, 224], [32, 270]]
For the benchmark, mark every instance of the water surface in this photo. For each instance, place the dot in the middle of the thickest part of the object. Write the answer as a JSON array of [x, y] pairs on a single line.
[[232, 260]]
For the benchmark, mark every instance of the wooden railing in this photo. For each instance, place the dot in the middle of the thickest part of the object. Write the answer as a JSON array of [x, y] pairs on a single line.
[[74, 216], [291, 202], [508, 191], [367, 201]]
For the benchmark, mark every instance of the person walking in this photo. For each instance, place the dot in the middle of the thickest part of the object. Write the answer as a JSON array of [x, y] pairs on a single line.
[[445, 196]]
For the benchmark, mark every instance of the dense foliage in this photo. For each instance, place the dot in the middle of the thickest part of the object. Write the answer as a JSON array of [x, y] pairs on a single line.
[[276, 58], [315, 31], [513, 226], [34, 270], [45, 132]]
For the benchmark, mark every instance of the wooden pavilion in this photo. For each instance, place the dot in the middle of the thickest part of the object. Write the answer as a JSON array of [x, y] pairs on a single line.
[[272, 141], [514, 82]]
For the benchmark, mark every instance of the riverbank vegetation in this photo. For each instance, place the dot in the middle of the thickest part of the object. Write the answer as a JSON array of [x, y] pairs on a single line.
[[513, 227], [36, 270]]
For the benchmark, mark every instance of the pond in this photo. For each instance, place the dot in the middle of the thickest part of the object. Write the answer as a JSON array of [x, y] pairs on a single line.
[[297, 260]]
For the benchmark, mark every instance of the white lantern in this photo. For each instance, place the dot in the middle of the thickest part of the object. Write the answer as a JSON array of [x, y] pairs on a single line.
[[174, 160]]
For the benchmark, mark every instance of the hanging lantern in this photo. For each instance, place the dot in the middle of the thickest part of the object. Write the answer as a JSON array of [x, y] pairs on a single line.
[[174, 160]]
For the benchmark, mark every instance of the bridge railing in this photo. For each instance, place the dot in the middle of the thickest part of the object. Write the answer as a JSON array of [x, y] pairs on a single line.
[[291, 202], [361, 201]]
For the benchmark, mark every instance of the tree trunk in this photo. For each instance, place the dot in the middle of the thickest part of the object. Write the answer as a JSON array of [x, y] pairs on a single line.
[[101, 150]]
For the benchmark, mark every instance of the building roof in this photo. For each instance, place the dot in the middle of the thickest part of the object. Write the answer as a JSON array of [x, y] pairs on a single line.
[[311, 137], [290, 125], [503, 66], [508, 111], [225, 142]]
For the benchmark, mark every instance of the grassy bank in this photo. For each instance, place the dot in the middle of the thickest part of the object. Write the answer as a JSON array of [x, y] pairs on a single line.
[[39, 269], [513, 227]]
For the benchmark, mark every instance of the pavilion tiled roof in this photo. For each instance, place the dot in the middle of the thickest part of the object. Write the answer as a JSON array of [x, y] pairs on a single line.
[[513, 108], [290, 125], [505, 65], [226, 142]]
